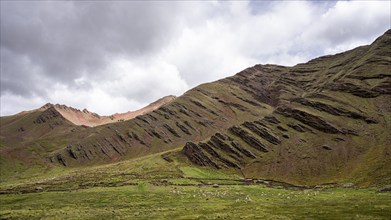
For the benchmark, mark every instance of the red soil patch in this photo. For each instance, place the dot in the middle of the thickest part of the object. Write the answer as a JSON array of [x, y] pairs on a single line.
[[92, 119]]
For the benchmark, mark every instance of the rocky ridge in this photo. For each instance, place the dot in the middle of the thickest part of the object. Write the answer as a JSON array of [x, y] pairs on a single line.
[[91, 119]]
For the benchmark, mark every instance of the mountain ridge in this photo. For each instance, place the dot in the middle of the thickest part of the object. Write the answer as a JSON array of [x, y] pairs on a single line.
[[92, 119]]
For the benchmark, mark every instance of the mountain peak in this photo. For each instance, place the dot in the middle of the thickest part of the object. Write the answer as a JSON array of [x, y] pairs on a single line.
[[384, 39], [46, 106], [164, 100]]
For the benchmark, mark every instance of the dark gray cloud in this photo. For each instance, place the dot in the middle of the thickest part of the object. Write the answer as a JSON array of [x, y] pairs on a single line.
[[113, 56], [69, 39]]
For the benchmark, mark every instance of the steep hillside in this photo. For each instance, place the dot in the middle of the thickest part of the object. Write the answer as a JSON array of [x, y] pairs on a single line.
[[331, 121], [194, 116], [327, 120], [27, 138]]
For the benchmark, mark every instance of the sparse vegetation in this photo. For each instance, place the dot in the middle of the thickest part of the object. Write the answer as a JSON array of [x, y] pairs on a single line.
[[191, 202], [150, 187]]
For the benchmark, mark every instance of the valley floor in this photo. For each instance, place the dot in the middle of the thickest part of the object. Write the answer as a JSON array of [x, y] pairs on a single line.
[[146, 201], [154, 187]]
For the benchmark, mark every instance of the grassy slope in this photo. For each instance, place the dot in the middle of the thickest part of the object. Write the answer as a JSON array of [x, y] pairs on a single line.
[[159, 202], [23, 142], [151, 187]]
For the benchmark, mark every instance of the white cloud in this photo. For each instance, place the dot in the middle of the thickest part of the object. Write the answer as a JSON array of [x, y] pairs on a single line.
[[236, 40], [94, 98], [12, 104], [127, 86], [143, 79], [116, 64], [348, 24]]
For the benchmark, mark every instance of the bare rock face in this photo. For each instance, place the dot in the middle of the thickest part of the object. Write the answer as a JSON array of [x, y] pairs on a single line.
[[243, 150], [197, 156], [335, 110], [248, 138], [62, 160], [92, 119], [171, 130], [183, 128], [311, 120], [49, 114], [262, 132], [220, 144], [355, 90], [300, 128]]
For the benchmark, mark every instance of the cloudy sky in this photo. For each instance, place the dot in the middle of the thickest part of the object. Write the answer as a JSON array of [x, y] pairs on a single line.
[[117, 56]]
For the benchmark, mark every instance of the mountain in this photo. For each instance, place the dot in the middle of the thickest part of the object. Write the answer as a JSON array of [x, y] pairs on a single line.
[[28, 136], [330, 121], [327, 120], [92, 119]]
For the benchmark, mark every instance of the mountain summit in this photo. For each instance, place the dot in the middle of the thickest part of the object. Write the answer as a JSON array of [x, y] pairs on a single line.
[[91, 119]]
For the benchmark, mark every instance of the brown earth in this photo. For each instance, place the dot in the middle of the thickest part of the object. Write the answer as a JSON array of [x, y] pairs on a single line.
[[92, 119]]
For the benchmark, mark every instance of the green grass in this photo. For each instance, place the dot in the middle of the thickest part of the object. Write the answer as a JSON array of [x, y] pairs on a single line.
[[210, 173], [146, 201], [163, 190]]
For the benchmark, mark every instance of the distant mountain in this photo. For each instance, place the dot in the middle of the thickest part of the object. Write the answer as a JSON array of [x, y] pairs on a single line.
[[327, 120], [92, 119]]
